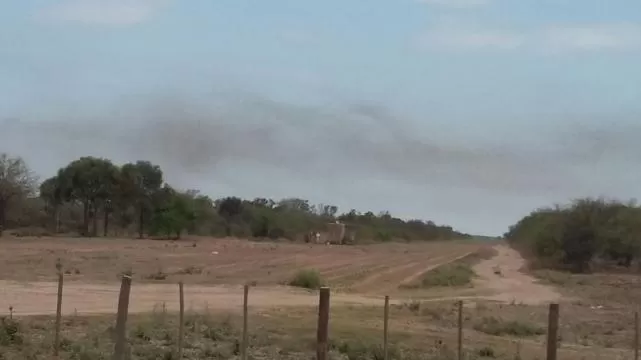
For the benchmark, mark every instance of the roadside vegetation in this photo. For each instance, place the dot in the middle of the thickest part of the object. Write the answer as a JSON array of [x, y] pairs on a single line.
[[95, 197], [453, 274], [588, 234], [499, 327], [308, 279]]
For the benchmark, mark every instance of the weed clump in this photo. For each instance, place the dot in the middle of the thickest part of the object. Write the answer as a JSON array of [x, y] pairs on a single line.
[[158, 276], [307, 278], [486, 352], [498, 327], [455, 274], [9, 332], [191, 270], [360, 350]]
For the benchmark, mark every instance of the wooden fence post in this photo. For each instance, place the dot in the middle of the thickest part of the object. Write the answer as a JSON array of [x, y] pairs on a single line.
[[460, 330], [323, 325], [121, 320], [553, 330], [181, 319], [56, 341], [245, 343], [636, 335], [385, 328]]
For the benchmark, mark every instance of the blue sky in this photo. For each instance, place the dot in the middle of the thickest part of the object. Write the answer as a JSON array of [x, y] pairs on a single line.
[[465, 112]]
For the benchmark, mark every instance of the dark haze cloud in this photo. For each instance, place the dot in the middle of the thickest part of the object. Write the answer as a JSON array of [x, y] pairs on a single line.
[[333, 143]]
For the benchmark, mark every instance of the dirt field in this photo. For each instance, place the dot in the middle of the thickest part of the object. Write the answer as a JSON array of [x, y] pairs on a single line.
[[505, 313], [213, 269], [220, 261]]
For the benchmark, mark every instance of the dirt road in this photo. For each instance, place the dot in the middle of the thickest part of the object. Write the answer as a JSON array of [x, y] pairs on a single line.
[[37, 298], [511, 285]]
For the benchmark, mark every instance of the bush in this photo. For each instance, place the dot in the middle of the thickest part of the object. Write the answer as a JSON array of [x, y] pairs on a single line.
[[9, 332], [486, 352], [498, 327], [308, 279], [575, 236], [455, 274], [361, 350]]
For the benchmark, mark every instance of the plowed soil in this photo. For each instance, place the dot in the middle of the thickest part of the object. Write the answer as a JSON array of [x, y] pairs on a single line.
[[214, 269]]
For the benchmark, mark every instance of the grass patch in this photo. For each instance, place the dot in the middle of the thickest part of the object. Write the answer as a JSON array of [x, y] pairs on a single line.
[[307, 278], [362, 350], [454, 274], [9, 332], [498, 327], [158, 276], [190, 270]]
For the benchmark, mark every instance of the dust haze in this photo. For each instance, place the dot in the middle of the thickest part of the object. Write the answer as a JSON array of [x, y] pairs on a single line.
[[332, 143]]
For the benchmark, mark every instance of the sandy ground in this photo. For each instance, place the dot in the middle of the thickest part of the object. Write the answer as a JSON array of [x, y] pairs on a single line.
[[512, 285], [210, 261], [33, 298]]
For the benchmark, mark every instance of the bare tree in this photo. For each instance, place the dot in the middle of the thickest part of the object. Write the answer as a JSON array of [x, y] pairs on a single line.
[[16, 181]]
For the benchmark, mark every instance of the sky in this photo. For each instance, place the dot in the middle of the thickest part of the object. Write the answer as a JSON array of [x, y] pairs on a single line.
[[470, 113]]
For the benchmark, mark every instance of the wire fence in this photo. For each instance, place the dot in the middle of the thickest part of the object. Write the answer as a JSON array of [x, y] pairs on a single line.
[[552, 348]]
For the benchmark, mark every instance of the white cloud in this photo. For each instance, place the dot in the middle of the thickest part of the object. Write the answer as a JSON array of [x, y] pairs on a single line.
[[455, 36], [592, 37], [459, 4], [103, 12]]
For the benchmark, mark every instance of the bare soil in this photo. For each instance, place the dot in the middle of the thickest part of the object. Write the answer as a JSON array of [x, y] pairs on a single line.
[[214, 268], [596, 316], [511, 284]]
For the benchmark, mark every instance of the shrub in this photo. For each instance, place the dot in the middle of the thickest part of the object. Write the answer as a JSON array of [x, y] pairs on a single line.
[[455, 274], [308, 279], [498, 327], [361, 350], [158, 275], [9, 332], [579, 235], [486, 352]]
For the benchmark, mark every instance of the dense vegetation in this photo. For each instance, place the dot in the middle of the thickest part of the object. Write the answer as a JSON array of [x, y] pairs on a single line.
[[585, 234], [93, 196]]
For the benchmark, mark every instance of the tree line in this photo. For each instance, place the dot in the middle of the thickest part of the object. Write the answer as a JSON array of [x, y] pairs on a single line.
[[581, 236], [92, 196]]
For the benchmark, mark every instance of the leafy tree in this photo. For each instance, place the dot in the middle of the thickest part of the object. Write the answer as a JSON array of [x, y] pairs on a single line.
[[16, 181], [230, 208], [579, 234], [294, 204], [139, 182], [90, 181], [173, 212], [89, 187], [51, 191]]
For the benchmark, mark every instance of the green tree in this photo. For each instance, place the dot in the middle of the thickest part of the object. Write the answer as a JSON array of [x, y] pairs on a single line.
[[90, 181], [230, 208], [205, 217], [139, 182], [51, 191], [173, 212], [581, 234], [16, 182]]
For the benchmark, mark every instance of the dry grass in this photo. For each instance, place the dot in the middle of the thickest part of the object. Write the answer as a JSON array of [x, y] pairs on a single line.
[[219, 261], [417, 331], [596, 323]]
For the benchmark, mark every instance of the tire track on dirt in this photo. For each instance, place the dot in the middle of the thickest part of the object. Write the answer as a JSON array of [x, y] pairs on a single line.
[[365, 267], [378, 278], [39, 298], [416, 275], [395, 276]]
